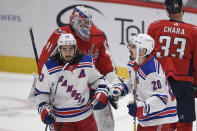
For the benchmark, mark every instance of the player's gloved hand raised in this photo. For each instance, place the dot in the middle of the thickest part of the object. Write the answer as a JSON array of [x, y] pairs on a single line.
[[99, 100], [46, 114], [116, 91], [138, 109]]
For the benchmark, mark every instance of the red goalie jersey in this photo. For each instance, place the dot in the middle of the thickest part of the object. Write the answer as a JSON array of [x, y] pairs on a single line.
[[176, 48], [97, 47]]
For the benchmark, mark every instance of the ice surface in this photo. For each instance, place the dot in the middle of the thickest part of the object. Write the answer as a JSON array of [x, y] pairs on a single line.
[[17, 114]]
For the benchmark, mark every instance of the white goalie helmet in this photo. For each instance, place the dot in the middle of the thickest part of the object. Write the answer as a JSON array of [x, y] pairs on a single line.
[[142, 41], [81, 21], [66, 39]]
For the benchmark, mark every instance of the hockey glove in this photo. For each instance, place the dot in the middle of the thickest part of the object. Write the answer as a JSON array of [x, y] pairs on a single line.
[[46, 115], [99, 100], [116, 91], [139, 109]]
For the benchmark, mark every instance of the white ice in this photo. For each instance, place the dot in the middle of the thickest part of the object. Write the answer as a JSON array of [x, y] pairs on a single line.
[[17, 114]]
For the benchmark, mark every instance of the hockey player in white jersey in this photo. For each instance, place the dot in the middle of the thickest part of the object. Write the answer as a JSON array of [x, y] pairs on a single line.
[[155, 105], [62, 93]]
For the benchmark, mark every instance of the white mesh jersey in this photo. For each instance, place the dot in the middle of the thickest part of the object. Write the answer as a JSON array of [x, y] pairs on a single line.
[[72, 97], [153, 88]]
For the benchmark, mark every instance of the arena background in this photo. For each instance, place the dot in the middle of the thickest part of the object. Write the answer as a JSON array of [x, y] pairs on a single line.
[[119, 19]]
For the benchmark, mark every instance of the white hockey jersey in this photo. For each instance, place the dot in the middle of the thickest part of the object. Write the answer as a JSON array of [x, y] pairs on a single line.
[[153, 88], [72, 96]]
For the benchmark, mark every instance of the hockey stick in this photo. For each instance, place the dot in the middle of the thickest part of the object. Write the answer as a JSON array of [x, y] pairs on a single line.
[[35, 53], [33, 44], [134, 93], [64, 67]]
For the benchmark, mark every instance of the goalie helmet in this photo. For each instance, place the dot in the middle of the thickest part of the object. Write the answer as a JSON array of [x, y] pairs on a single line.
[[142, 41], [81, 21], [173, 6]]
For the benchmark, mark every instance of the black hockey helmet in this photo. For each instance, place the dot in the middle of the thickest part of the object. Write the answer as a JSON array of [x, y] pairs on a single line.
[[173, 6]]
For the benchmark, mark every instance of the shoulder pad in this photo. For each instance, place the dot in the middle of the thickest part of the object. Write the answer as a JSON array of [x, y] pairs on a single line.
[[52, 63], [86, 58]]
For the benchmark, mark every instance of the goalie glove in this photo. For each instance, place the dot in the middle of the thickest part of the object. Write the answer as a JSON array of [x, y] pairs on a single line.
[[116, 91], [47, 116], [138, 109], [99, 100]]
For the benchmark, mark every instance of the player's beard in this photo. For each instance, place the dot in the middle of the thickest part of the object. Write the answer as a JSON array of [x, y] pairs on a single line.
[[68, 59]]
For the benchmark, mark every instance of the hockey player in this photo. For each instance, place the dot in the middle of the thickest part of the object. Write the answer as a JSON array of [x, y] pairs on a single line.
[[155, 105], [176, 50], [91, 41], [62, 93]]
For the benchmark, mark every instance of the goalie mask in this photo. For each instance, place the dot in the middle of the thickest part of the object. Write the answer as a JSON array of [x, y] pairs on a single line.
[[142, 41], [81, 21], [66, 39]]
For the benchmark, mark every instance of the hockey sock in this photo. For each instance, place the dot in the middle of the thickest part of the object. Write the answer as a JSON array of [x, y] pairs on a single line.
[[181, 126]]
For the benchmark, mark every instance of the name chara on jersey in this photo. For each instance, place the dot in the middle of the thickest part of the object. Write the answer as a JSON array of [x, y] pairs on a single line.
[[174, 30]]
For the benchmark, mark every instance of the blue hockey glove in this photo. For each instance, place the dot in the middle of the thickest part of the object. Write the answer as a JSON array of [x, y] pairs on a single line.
[[46, 115], [99, 100], [114, 96], [138, 109], [116, 91]]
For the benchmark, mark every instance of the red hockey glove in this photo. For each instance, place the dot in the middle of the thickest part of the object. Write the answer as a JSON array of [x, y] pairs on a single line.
[[99, 100], [46, 115]]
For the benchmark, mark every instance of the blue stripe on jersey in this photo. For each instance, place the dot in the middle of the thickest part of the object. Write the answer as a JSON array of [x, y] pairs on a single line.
[[158, 117], [126, 89], [129, 64], [69, 109], [166, 109], [37, 92], [143, 77], [158, 67], [167, 112], [163, 98], [84, 66], [54, 71], [72, 111], [73, 115]]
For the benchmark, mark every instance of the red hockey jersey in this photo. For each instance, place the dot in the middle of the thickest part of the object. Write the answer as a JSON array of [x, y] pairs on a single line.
[[176, 48], [97, 47]]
